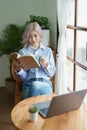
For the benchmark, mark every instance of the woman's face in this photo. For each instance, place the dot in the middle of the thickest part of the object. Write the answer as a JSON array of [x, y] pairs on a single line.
[[34, 39]]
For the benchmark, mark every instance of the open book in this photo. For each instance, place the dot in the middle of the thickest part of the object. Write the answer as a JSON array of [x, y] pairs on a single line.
[[30, 61]]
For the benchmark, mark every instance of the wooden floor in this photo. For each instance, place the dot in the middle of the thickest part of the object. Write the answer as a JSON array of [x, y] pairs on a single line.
[[6, 105]]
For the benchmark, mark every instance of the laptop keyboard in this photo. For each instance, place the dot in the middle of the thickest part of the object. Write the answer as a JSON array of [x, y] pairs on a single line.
[[44, 111], [42, 105]]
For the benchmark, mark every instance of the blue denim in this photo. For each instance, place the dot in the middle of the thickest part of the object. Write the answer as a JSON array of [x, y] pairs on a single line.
[[35, 87]]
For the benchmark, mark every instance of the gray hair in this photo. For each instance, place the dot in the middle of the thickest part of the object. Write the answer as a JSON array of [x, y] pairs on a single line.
[[31, 27]]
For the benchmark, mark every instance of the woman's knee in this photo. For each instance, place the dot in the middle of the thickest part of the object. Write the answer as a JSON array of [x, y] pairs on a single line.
[[46, 90], [41, 88]]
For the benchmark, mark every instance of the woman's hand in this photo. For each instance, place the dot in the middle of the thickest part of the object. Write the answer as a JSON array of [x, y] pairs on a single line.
[[44, 62], [18, 65]]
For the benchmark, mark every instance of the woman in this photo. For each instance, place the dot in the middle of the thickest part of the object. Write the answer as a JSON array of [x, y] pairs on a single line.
[[36, 80]]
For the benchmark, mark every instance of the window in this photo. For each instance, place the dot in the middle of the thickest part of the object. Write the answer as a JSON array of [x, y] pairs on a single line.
[[76, 37]]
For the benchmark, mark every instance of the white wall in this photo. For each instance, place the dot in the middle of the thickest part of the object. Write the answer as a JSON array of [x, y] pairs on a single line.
[[18, 11], [49, 10], [4, 69]]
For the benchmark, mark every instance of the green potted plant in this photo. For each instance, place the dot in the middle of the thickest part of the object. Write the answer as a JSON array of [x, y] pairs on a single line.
[[10, 41], [43, 22], [33, 113]]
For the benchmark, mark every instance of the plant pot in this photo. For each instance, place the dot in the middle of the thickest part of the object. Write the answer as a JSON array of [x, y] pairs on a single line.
[[10, 85], [33, 116], [46, 37]]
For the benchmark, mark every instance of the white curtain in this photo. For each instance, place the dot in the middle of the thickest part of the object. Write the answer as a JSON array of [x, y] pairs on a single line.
[[63, 8]]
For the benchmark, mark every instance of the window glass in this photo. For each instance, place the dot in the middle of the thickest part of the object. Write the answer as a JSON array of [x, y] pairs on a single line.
[[81, 78], [82, 47], [82, 13], [71, 14], [70, 75], [69, 42]]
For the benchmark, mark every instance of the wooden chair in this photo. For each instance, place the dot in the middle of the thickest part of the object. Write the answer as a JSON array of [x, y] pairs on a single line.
[[18, 85], [19, 82]]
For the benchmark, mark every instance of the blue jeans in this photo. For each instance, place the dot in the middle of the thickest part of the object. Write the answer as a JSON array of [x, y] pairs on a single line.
[[35, 87]]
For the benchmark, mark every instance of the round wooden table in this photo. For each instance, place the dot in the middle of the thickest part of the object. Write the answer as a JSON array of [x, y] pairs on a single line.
[[74, 120]]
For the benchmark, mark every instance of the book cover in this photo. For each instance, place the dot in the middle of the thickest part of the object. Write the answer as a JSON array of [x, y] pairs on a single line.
[[30, 61]]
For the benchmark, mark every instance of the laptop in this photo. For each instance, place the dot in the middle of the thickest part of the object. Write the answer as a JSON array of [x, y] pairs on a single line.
[[61, 104]]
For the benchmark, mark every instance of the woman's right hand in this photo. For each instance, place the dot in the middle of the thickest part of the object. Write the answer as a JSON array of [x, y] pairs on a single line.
[[18, 65]]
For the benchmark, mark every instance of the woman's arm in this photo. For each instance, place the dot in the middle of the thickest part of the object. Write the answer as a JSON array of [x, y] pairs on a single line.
[[48, 64]]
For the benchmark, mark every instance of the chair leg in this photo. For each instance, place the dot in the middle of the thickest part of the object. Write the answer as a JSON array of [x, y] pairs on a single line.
[[18, 94]]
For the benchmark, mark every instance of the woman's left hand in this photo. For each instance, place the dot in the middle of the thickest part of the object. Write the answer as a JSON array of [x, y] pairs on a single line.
[[44, 62]]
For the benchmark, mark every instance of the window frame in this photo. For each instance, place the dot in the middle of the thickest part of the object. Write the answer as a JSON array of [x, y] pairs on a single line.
[[75, 28]]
